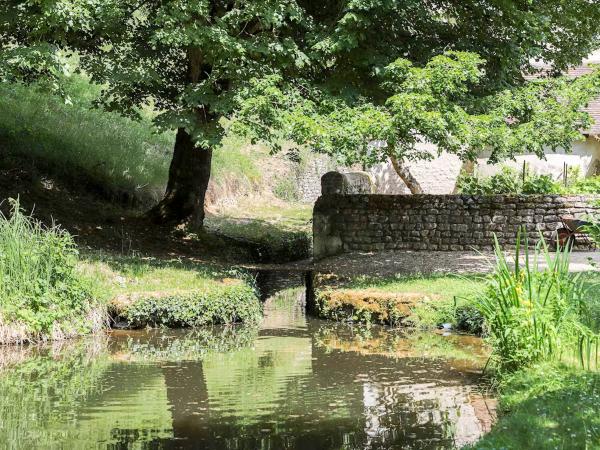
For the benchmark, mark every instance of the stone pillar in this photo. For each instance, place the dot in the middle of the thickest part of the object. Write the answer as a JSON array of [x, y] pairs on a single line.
[[347, 183]]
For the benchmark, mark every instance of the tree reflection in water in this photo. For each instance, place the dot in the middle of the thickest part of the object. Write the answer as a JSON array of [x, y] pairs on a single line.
[[295, 382]]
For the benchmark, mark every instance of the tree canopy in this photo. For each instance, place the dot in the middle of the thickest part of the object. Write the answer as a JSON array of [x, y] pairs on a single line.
[[324, 73]]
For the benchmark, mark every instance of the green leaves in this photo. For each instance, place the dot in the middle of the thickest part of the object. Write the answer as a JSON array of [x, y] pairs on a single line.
[[536, 313], [225, 305], [332, 75]]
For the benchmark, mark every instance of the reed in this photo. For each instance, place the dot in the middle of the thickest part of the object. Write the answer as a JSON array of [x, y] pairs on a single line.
[[535, 309], [42, 295]]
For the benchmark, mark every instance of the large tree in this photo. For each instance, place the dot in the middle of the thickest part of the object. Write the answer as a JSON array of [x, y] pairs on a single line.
[[202, 62], [442, 103]]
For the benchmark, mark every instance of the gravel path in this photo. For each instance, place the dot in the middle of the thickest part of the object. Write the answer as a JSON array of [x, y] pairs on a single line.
[[422, 262], [386, 264]]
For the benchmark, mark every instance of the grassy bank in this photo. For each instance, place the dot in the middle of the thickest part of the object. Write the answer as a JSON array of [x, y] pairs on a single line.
[[48, 292], [150, 292], [542, 329], [106, 152], [431, 300], [42, 295], [442, 298], [548, 406], [277, 233]]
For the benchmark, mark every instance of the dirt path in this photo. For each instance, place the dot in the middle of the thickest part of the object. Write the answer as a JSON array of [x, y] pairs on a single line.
[[389, 264]]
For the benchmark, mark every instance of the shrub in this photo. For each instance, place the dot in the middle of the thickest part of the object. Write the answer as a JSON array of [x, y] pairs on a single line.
[[534, 313], [541, 184], [505, 182], [468, 318], [589, 185], [41, 293], [508, 181], [219, 305]]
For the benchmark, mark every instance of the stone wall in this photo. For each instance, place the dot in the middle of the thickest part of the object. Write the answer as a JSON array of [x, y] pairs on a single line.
[[308, 176], [343, 223]]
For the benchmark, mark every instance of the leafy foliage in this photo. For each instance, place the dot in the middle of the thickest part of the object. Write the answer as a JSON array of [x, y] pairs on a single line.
[[509, 181], [324, 73], [590, 185], [39, 285], [469, 319], [535, 313], [434, 104], [224, 305]]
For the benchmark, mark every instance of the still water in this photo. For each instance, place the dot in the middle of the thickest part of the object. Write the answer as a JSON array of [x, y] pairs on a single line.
[[293, 383]]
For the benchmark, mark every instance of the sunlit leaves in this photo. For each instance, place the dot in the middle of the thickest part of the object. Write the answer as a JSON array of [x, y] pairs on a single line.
[[334, 75]]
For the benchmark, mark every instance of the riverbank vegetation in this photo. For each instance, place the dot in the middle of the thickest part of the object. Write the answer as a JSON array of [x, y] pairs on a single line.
[[42, 295], [534, 313], [547, 406], [109, 153], [279, 233], [49, 292], [542, 328], [432, 300], [144, 292]]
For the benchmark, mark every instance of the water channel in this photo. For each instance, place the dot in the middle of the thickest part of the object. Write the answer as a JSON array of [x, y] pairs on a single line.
[[295, 382]]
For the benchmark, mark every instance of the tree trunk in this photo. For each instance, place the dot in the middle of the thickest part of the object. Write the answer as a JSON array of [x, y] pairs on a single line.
[[468, 168], [189, 174], [404, 173], [187, 394]]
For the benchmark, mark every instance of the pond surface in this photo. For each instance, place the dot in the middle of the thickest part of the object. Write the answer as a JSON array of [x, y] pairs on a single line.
[[293, 383]]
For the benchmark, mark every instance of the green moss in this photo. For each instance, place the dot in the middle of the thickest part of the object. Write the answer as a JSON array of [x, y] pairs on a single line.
[[366, 305], [444, 298]]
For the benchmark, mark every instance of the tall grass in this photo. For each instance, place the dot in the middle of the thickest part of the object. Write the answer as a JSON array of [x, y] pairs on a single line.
[[118, 155], [42, 296], [537, 312], [85, 144]]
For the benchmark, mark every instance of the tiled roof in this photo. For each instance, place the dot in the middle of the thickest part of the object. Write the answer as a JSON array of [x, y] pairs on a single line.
[[593, 108]]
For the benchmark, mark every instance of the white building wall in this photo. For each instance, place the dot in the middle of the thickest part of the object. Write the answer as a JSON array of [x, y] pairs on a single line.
[[583, 154], [436, 176], [439, 175]]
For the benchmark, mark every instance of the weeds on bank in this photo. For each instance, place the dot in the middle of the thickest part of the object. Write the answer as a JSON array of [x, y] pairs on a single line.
[[535, 314], [547, 406], [450, 298], [172, 293], [41, 293]]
